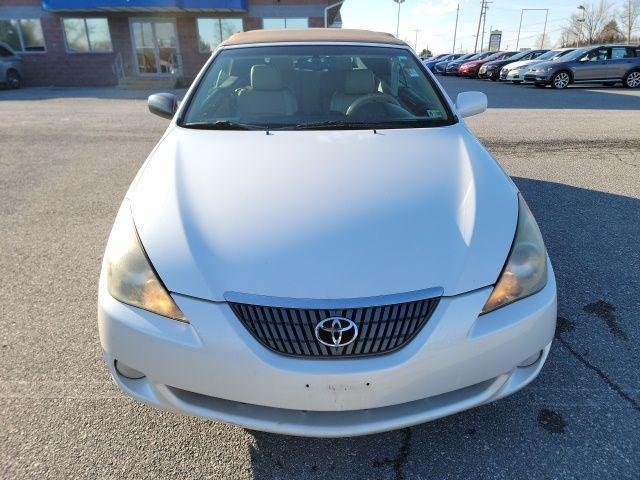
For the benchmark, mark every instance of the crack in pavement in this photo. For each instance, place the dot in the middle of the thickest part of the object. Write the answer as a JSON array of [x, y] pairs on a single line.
[[567, 326], [403, 454]]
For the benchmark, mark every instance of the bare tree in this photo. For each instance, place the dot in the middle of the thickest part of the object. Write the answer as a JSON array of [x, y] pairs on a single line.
[[543, 42], [629, 17], [610, 33], [585, 28]]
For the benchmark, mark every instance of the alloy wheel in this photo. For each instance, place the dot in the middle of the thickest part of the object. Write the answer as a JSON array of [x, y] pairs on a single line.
[[561, 80], [633, 80], [13, 80]]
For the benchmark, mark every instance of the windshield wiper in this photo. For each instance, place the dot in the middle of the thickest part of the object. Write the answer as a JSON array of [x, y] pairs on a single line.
[[223, 125], [330, 125]]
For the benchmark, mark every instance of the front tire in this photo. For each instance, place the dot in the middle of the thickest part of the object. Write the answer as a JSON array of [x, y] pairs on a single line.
[[13, 80], [632, 79], [560, 80]]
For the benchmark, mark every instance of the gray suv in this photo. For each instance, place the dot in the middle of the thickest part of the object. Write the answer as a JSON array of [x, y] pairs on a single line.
[[606, 64], [10, 67]]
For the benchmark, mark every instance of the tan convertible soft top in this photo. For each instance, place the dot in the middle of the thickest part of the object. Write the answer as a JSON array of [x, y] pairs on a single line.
[[311, 35]]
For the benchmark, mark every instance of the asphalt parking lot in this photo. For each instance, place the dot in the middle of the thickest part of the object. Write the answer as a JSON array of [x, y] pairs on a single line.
[[66, 160]]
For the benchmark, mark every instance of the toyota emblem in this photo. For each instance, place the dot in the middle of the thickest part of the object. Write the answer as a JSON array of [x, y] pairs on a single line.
[[336, 332]]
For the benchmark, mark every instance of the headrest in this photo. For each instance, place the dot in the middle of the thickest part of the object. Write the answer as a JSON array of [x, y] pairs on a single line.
[[359, 82], [265, 77], [282, 63], [341, 63]]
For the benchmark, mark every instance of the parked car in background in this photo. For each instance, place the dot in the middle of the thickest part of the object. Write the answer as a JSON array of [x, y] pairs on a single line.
[[431, 63], [606, 64], [441, 65], [482, 67], [514, 71], [491, 70], [472, 68], [10, 67], [453, 67]]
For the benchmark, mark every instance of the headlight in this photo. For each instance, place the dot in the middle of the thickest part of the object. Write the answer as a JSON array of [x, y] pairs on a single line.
[[525, 272], [131, 278]]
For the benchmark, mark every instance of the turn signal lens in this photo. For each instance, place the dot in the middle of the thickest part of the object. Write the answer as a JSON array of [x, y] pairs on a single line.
[[525, 272], [130, 277]]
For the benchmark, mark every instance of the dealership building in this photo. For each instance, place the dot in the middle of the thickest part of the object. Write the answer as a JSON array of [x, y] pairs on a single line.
[[139, 42]]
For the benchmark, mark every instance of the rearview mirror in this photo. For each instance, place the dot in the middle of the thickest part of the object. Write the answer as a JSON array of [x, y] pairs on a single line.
[[163, 104], [471, 103]]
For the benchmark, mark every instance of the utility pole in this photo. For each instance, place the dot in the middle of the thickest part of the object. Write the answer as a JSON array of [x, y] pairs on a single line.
[[484, 21], [455, 30], [581, 21], [475, 48], [544, 31], [417, 31], [519, 29], [399, 2], [628, 22]]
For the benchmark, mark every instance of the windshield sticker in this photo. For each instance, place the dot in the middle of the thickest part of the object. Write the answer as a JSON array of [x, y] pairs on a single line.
[[413, 73], [434, 114]]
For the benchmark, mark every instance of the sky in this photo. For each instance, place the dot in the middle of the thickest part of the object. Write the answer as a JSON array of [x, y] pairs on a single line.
[[435, 20]]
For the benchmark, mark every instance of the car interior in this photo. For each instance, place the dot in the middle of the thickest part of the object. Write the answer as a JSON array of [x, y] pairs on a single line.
[[294, 90]]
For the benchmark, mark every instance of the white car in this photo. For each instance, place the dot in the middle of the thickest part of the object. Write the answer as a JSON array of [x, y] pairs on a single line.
[[514, 72], [319, 246]]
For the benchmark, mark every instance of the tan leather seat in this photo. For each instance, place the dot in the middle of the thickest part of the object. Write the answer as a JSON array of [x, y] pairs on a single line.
[[358, 83], [267, 95]]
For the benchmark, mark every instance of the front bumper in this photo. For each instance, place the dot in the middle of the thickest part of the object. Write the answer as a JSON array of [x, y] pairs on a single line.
[[215, 369], [536, 78], [511, 75], [487, 73]]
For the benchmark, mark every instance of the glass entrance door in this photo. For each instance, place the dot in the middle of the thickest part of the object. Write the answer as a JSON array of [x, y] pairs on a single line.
[[156, 46]]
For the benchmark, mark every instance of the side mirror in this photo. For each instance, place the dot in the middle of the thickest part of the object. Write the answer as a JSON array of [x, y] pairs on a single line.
[[584, 59], [471, 103], [163, 104]]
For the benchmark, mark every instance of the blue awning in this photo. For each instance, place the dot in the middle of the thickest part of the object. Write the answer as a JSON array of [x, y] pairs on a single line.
[[145, 5]]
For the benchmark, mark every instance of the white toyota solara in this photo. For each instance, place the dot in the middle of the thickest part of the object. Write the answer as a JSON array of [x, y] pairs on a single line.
[[319, 246]]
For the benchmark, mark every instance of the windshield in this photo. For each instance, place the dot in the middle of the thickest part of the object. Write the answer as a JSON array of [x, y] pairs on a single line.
[[315, 87], [577, 53], [518, 56]]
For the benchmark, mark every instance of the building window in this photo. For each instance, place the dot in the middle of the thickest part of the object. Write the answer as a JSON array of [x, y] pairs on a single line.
[[23, 35], [212, 31], [271, 23], [87, 35]]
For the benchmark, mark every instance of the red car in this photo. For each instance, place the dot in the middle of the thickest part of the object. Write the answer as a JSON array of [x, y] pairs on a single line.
[[470, 69]]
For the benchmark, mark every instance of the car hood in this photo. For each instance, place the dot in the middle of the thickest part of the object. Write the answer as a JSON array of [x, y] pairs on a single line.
[[522, 63], [546, 64], [324, 214]]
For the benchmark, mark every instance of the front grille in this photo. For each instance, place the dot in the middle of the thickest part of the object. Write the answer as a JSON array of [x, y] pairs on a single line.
[[291, 331]]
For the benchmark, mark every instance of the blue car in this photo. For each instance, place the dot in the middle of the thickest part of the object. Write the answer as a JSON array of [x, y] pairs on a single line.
[[430, 62], [440, 67]]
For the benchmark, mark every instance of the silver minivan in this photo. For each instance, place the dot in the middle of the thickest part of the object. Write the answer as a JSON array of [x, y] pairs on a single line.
[[10, 67]]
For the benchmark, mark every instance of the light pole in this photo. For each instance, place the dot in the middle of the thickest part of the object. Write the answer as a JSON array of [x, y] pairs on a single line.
[[455, 30], [544, 31], [399, 2], [581, 21], [416, 44]]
